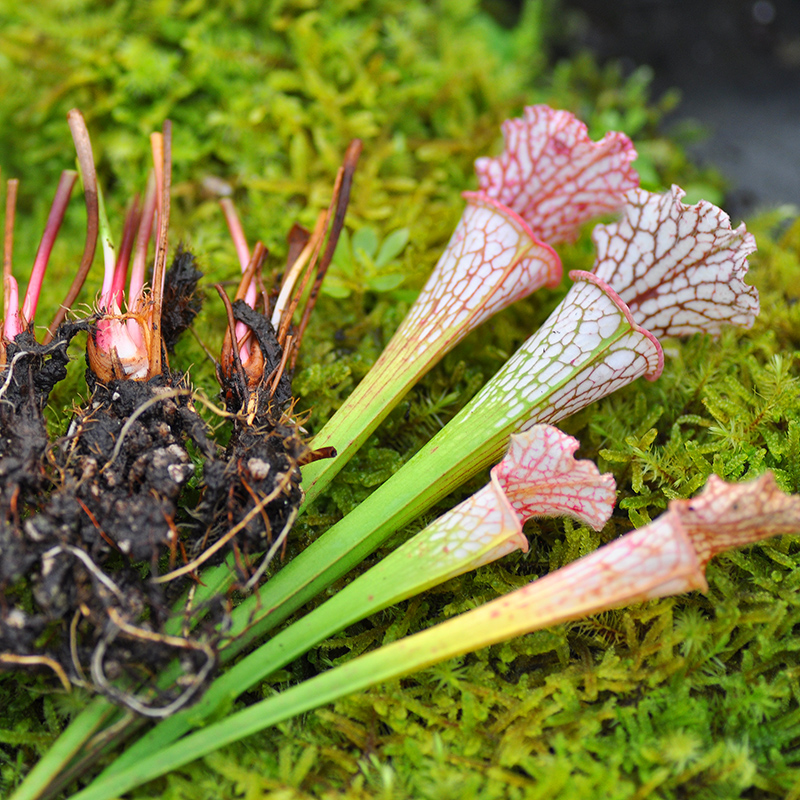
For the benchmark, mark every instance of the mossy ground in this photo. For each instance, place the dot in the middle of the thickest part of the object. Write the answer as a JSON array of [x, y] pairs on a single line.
[[692, 697]]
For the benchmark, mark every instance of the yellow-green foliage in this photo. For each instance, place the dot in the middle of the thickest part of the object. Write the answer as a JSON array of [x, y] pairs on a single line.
[[690, 697]]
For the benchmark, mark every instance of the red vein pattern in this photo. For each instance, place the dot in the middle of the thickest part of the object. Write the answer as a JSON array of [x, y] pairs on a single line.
[[479, 530], [664, 558], [726, 515], [587, 348], [541, 478], [648, 563], [679, 268], [491, 261], [538, 476], [554, 176]]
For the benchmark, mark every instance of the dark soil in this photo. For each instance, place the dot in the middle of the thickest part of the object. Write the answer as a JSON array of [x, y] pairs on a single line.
[[91, 610], [31, 372]]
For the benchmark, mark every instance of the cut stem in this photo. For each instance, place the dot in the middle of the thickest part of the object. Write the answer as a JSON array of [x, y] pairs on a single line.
[[8, 240], [162, 155], [54, 220], [142, 241], [129, 229]]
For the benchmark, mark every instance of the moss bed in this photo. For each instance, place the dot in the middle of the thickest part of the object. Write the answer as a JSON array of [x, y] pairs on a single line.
[[689, 697]]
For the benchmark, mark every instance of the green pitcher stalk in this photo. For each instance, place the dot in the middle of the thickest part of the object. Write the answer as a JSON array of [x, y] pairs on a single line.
[[666, 557], [538, 477]]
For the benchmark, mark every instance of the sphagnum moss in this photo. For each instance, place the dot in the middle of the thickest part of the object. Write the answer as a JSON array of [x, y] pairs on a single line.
[[695, 697]]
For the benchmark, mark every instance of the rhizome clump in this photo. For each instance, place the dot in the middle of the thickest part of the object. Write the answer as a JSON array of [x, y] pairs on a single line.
[[99, 553], [90, 547], [123, 465], [252, 494]]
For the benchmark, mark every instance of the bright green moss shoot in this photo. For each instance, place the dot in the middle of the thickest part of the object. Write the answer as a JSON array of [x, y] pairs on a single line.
[[690, 697]]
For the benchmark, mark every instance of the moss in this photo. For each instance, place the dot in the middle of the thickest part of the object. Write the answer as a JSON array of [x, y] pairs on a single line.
[[692, 697]]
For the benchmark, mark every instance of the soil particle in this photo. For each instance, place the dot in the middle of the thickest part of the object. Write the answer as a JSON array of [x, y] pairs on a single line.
[[260, 467]]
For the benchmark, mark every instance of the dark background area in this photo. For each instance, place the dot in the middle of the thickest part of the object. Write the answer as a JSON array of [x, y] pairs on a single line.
[[737, 65]]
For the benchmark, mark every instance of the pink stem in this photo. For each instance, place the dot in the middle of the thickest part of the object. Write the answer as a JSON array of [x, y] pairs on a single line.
[[12, 326], [250, 297], [142, 241], [243, 254], [132, 219], [248, 283], [54, 220], [83, 147], [237, 234], [8, 240]]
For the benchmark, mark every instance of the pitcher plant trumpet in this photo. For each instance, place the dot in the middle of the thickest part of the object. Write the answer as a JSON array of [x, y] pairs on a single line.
[[681, 268], [550, 179]]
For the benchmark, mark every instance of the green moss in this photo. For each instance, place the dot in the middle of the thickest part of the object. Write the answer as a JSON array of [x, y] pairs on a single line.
[[692, 697]]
